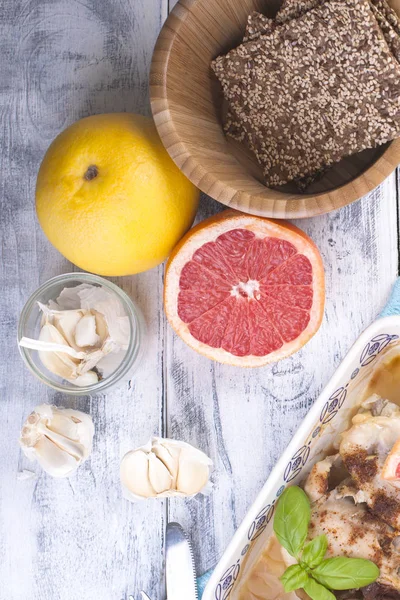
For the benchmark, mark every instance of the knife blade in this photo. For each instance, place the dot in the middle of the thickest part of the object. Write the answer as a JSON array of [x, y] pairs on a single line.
[[179, 562]]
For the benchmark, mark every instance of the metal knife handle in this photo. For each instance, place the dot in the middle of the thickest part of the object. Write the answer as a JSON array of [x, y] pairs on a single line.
[[180, 568]]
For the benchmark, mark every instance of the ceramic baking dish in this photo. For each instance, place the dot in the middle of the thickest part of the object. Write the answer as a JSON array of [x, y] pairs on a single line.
[[330, 415]]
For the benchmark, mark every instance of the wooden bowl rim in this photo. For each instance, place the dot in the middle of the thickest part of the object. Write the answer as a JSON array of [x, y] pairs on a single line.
[[281, 206]]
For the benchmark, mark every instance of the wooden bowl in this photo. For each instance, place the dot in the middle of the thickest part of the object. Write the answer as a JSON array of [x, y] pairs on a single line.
[[187, 105]]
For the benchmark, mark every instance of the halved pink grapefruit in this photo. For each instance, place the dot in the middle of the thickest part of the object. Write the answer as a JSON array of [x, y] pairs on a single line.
[[245, 290]]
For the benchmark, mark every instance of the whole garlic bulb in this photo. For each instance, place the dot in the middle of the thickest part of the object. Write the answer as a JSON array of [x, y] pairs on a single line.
[[60, 439], [164, 468]]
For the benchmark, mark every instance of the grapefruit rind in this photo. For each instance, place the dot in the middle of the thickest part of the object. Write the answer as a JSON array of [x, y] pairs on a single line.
[[209, 230]]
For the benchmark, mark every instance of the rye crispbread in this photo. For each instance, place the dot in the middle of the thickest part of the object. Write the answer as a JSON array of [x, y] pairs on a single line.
[[310, 91]]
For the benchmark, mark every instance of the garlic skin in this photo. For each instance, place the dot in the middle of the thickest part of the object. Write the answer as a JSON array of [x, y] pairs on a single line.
[[165, 468], [60, 439], [85, 332]]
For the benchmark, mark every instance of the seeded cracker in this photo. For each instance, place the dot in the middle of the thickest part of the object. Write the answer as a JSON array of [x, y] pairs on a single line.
[[293, 9], [389, 33], [258, 24], [389, 13], [313, 90]]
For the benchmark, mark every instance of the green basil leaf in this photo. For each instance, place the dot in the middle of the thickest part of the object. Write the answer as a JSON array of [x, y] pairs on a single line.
[[314, 551], [342, 573], [292, 517], [316, 591], [294, 578]]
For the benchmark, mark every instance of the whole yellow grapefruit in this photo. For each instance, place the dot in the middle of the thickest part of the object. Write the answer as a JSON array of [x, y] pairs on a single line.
[[110, 198]]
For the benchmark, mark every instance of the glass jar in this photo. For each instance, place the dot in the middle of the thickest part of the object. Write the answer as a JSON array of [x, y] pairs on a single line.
[[30, 323]]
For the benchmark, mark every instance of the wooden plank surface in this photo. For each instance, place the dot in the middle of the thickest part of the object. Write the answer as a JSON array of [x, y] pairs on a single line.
[[78, 539]]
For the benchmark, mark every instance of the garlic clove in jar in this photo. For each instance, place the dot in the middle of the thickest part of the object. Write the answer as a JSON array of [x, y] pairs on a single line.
[[64, 320], [59, 363], [90, 322], [59, 439], [101, 326], [62, 359], [86, 379], [173, 468], [85, 332], [66, 323]]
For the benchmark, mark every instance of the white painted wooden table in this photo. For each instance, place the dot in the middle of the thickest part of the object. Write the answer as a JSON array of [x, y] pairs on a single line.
[[77, 539]]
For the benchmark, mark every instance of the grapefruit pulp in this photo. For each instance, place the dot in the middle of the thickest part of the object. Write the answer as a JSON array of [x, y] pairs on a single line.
[[245, 290]]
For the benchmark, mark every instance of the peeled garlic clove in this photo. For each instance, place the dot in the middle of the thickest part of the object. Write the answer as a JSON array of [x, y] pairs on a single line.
[[101, 326], [134, 473], [86, 379], [66, 323], [85, 332], [59, 439], [163, 468], [159, 476]]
